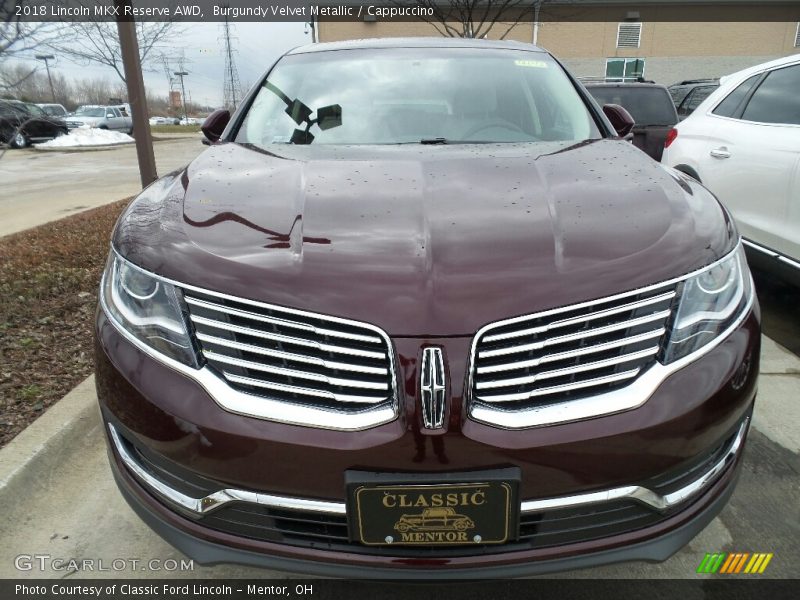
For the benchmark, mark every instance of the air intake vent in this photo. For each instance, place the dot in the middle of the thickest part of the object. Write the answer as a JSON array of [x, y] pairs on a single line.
[[629, 35], [572, 352], [797, 37], [293, 356]]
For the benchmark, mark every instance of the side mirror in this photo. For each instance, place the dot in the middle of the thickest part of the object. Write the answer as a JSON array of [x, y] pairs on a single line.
[[215, 124], [621, 119]]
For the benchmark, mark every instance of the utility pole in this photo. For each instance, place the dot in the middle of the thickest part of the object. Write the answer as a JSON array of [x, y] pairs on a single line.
[[181, 74], [45, 58], [231, 84], [129, 47]]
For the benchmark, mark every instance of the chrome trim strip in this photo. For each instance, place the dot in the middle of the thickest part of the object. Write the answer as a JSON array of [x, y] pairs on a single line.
[[293, 389], [772, 253], [574, 336], [535, 362], [277, 337], [566, 387], [598, 364], [630, 397], [581, 319], [207, 504], [304, 358], [265, 368], [275, 321], [261, 407], [202, 506], [642, 494]]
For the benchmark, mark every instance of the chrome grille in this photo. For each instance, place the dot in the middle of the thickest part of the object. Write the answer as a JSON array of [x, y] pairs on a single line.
[[293, 356], [571, 352]]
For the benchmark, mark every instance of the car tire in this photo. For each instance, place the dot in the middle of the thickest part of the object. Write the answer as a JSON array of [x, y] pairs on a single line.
[[19, 140]]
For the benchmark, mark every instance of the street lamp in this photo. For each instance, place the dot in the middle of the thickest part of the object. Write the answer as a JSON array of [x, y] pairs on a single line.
[[183, 93], [45, 58]]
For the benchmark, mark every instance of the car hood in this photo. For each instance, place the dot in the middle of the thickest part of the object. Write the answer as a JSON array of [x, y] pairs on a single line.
[[424, 240]]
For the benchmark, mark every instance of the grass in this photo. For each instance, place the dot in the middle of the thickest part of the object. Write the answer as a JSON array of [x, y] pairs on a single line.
[[48, 291], [175, 128]]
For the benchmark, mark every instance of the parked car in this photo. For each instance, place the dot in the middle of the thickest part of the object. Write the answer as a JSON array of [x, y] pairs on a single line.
[[431, 273], [22, 123], [743, 143], [694, 98], [681, 89], [54, 110], [102, 117], [650, 106]]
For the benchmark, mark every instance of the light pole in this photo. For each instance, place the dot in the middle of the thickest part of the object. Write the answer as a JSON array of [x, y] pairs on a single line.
[[183, 93], [45, 58]]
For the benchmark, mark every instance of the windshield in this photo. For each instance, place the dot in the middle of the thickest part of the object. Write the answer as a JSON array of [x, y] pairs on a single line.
[[413, 95], [35, 110], [90, 111], [648, 105]]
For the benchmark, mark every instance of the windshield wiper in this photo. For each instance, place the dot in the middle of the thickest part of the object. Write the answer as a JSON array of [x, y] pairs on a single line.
[[441, 140]]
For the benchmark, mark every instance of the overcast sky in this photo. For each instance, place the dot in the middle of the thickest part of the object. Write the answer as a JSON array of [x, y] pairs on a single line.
[[258, 45]]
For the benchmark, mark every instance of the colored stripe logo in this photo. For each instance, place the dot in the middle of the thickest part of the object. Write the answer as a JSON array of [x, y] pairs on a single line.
[[732, 563]]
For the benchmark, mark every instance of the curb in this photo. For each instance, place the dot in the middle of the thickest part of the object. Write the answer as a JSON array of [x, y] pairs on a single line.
[[42, 443]]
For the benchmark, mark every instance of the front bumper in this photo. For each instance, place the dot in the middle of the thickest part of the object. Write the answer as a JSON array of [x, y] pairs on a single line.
[[593, 462]]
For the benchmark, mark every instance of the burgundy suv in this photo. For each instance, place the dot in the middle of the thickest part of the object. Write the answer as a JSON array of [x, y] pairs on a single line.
[[419, 311]]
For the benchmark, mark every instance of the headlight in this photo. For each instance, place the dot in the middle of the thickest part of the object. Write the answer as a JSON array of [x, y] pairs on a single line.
[[709, 302], [148, 309]]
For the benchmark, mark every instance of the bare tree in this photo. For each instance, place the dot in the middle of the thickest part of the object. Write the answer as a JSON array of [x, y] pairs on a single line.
[[98, 42], [18, 36], [472, 18]]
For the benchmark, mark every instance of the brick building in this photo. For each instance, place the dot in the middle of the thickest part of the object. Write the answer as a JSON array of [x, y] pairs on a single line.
[[662, 40]]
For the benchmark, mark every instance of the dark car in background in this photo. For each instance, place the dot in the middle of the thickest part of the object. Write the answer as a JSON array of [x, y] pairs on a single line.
[[425, 278], [681, 89], [649, 104], [694, 97], [22, 123]]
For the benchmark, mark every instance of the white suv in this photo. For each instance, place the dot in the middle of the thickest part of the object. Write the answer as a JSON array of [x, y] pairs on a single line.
[[743, 143]]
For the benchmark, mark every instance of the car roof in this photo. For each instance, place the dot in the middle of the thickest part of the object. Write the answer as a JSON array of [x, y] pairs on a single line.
[[745, 73], [620, 84], [415, 42]]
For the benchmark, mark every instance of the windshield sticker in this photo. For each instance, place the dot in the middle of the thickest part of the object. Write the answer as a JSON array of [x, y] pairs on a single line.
[[533, 64]]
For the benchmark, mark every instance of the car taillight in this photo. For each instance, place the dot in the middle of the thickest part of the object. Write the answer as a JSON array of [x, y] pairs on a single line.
[[671, 135]]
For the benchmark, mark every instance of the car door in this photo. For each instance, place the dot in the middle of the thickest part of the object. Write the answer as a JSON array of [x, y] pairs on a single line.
[[753, 162], [116, 122]]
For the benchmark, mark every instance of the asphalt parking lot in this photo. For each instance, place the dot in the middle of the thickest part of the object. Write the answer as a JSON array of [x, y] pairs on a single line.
[[44, 186], [68, 507]]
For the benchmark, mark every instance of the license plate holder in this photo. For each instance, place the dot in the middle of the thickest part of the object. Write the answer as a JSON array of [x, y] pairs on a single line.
[[441, 509]]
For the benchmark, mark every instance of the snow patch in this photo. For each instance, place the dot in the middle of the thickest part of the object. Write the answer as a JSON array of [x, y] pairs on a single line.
[[87, 136]]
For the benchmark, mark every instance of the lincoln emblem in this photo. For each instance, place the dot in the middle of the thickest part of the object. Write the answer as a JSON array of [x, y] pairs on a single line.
[[432, 388]]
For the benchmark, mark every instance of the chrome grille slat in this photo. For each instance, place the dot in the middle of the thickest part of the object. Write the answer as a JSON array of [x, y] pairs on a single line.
[[308, 361], [548, 359], [561, 388], [286, 339], [291, 356], [302, 391], [567, 371], [535, 362], [659, 316], [282, 322], [248, 364], [584, 318]]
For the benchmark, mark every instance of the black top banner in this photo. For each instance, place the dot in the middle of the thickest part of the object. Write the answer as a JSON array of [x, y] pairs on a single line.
[[395, 10]]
